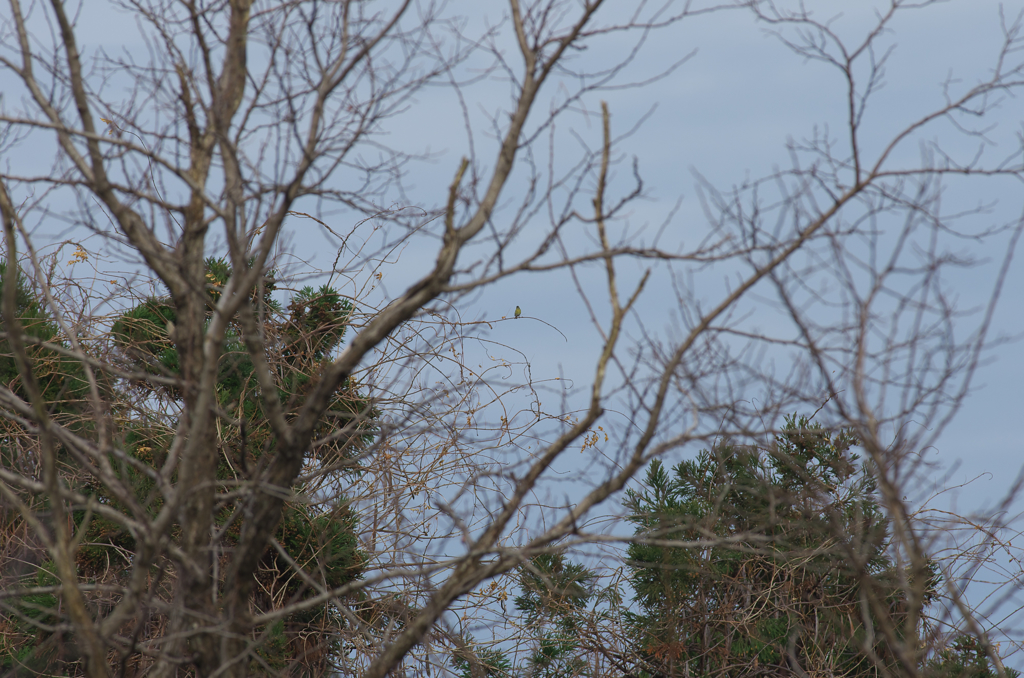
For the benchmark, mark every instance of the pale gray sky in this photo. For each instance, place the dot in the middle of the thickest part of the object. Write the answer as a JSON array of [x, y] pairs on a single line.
[[727, 114]]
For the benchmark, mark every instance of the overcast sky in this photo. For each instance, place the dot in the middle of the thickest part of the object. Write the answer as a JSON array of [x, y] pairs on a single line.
[[727, 114]]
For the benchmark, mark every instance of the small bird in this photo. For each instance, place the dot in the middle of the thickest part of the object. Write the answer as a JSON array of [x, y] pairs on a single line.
[[519, 311]]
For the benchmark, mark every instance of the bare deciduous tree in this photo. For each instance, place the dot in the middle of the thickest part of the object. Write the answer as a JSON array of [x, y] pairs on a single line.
[[209, 424]]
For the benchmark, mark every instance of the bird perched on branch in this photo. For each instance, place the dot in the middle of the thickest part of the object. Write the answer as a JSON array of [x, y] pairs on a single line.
[[519, 311]]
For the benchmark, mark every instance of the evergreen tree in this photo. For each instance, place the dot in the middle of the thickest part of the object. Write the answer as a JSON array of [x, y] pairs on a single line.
[[766, 586], [758, 586], [62, 386], [555, 594], [60, 378], [964, 657], [318, 539]]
